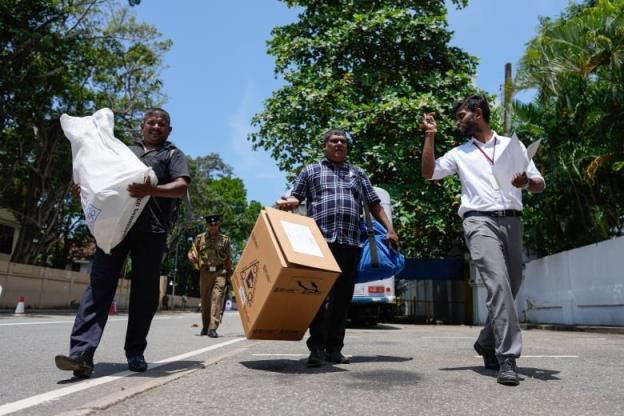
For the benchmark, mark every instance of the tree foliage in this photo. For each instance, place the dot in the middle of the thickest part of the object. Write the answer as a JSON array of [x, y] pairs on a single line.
[[213, 190], [576, 63], [372, 68], [64, 56]]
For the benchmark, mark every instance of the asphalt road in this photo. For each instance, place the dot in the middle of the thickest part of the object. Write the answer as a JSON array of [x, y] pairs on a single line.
[[395, 370]]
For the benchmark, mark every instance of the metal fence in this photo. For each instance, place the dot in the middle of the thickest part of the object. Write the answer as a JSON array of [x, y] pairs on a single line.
[[421, 311]]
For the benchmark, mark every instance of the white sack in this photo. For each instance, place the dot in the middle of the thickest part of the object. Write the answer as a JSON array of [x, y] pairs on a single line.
[[104, 167]]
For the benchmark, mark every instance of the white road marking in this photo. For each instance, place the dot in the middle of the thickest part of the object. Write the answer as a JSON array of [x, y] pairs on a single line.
[[549, 356], [71, 321], [542, 356], [588, 339], [280, 355], [56, 394], [55, 322], [448, 337]]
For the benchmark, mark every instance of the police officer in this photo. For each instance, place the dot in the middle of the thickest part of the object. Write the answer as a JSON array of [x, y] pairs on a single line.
[[211, 255]]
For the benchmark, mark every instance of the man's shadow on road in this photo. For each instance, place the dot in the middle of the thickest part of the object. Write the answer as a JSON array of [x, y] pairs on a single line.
[[121, 369], [376, 327], [284, 366], [379, 359], [527, 372]]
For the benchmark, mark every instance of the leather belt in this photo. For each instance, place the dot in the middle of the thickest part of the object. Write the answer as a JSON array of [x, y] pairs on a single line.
[[498, 213]]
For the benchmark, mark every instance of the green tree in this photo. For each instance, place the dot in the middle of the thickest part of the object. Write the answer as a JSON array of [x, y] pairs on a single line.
[[372, 68], [576, 64], [64, 56]]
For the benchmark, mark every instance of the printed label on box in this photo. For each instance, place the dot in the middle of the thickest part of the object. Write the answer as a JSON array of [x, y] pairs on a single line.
[[289, 332], [285, 290], [301, 239], [301, 286], [241, 295], [262, 331], [247, 279], [308, 287]]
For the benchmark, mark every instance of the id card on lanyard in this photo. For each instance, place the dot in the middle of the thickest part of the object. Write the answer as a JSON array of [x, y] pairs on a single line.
[[493, 181]]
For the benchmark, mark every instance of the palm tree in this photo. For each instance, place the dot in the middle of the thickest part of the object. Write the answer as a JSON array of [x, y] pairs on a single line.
[[576, 65]]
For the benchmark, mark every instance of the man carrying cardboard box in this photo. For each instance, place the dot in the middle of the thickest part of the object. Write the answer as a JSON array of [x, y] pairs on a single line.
[[335, 190]]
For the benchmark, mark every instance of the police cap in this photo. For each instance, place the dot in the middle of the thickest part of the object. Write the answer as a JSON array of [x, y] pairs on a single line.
[[213, 219]]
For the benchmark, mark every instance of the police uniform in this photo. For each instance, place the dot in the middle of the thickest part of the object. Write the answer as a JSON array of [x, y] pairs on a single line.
[[214, 262]]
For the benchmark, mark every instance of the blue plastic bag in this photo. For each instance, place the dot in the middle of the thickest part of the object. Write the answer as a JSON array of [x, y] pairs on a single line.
[[390, 261]]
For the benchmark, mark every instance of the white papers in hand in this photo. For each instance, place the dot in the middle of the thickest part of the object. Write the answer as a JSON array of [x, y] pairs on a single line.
[[532, 149], [513, 160]]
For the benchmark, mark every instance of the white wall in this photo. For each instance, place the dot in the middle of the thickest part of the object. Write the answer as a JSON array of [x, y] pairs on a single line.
[[584, 286], [44, 287], [41, 287]]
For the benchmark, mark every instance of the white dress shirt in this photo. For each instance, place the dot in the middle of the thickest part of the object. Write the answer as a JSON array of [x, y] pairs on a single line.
[[475, 172]]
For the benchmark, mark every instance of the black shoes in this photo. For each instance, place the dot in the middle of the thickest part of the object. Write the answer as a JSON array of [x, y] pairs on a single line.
[[507, 371], [203, 332], [337, 358], [508, 374], [81, 365], [212, 333], [489, 357], [137, 363], [315, 359]]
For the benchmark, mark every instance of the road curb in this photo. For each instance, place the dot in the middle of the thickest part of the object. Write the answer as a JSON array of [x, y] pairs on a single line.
[[127, 393]]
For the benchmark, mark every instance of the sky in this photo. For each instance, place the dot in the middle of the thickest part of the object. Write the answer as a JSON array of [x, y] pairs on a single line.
[[219, 74]]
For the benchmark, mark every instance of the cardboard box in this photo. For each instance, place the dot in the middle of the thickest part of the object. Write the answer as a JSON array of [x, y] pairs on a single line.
[[283, 276]]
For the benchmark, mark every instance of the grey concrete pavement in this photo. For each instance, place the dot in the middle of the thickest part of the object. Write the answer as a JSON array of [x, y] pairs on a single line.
[[29, 343], [399, 369], [396, 369]]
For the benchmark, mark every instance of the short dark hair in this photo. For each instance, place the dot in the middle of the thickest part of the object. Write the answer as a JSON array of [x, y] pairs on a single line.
[[157, 112], [334, 132], [471, 104]]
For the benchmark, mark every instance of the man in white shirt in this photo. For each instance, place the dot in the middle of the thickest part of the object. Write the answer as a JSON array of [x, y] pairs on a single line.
[[491, 209]]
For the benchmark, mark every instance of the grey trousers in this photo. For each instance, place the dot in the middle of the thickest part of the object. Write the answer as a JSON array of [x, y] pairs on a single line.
[[495, 245]]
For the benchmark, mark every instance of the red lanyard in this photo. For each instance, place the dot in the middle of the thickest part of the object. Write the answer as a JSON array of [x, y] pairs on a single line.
[[490, 159]]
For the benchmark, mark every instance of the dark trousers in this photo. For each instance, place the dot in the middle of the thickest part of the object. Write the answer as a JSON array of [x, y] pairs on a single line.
[[146, 252], [327, 330]]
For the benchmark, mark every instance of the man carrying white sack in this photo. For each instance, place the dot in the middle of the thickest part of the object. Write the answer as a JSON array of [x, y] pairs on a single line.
[[145, 243]]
